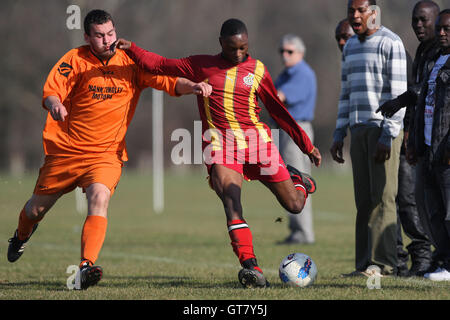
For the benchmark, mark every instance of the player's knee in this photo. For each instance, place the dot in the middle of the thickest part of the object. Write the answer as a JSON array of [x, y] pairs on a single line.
[[38, 205], [35, 211], [295, 206], [99, 198]]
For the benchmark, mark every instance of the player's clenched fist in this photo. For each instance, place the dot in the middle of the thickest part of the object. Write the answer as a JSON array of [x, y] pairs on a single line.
[[203, 89], [121, 44], [315, 157], [58, 112]]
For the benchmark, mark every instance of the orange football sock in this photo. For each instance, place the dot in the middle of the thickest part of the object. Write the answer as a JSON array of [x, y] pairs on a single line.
[[25, 225], [92, 237]]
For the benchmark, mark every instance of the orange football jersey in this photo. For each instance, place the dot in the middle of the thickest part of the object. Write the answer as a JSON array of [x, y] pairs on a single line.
[[100, 98]]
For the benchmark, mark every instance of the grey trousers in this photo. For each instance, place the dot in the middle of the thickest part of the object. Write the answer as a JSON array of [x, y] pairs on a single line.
[[375, 187], [300, 225]]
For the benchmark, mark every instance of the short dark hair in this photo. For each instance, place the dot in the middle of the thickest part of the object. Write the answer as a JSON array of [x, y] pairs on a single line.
[[429, 3], [96, 17], [340, 24], [445, 11], [232, 27], [371, 2]]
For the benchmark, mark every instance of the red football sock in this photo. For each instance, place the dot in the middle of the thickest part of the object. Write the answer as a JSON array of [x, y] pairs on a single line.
[[92, 237], [25, 225], [241, 240]]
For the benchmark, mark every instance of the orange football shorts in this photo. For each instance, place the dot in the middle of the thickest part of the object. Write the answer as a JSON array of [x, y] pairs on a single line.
[[65, 173]]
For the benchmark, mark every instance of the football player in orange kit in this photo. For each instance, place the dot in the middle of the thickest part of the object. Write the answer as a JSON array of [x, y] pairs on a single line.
[[91, 96]]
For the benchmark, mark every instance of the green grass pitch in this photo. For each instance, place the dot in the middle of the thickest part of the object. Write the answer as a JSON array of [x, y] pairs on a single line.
[[185, 252]]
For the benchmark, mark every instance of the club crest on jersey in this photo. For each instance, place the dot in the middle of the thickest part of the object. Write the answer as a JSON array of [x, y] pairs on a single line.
[[248, 79], [64, 69]]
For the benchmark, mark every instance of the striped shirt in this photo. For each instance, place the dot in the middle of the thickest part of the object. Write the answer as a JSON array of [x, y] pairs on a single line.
[[373, 72]]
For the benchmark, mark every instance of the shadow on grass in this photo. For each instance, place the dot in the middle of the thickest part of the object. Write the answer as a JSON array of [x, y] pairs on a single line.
[[153, 281], [34, 285], [320, 286], [161, 281], [168, 282]]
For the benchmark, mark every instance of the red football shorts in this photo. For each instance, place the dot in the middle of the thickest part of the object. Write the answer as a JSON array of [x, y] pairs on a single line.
[[263, 163]]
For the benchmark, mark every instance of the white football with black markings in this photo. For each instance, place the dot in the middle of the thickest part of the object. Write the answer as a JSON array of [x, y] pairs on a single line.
[[298, 269]]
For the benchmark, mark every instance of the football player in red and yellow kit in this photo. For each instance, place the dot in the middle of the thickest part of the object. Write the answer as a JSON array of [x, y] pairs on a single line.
[[91, 96], [236, 144]]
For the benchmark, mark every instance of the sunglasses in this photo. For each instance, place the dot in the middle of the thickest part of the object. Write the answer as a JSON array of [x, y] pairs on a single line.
[[285, 50]]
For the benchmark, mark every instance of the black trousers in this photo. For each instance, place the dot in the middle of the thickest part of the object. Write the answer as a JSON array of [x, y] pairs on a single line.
[[436, 184], [408, 215]]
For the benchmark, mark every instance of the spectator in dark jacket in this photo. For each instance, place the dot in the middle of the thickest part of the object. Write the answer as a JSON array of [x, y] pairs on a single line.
[[411, 213], [429, 146]]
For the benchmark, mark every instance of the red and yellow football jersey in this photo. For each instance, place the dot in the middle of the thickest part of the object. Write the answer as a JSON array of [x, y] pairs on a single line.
[[233, 105], [100, 98]]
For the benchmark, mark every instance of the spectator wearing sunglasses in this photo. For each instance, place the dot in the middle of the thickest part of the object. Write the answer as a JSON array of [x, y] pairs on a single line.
[[297, 89]]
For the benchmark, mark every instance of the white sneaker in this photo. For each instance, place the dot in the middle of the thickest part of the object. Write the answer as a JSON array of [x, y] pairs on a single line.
[[442, 275], [427, 275]]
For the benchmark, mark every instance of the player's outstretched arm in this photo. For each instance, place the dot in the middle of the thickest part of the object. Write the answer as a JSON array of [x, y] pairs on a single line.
[[186, 86], [389, 108], [157, 64], [145, 59], [268, 95]]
